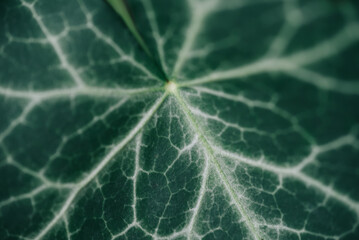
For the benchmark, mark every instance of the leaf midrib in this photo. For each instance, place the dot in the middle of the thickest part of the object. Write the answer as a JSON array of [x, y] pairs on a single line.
[[207, 147]]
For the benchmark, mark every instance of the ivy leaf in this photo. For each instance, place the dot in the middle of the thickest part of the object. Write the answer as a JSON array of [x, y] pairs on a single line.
[[252, 134]]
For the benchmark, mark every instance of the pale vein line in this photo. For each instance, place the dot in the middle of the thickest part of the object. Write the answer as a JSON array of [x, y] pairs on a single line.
[[200, 113], [293, 19], [156, 33], [66, 222], [24, 195], [66, 138], [120, 52], [135, 175], [210, 151], [301, 231], [342, 40], [244, 71], [199, 12], [324, 82], [99, 34], [278, 65], [124, 231], [293, 172], [195, 210], [260, 104], [20, 119], [36, 97], [35, 174], [104, 162], [201, 194], [56, 46], [72, 92]]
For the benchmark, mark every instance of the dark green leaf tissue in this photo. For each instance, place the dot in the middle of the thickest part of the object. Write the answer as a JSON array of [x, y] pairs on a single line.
[[179, 119]]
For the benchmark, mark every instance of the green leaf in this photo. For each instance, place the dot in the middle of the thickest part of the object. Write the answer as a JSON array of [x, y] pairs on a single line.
[[254, 135], [120, 7]]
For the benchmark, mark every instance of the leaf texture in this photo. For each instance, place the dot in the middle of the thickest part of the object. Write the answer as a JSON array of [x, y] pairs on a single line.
[[253, 135]]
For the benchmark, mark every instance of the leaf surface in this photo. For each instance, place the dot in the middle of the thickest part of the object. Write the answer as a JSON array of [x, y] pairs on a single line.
[[254, 135]]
